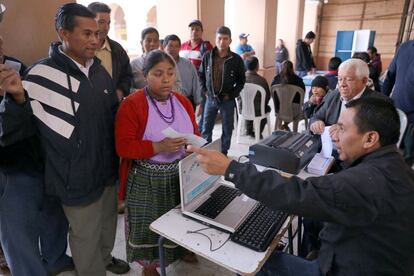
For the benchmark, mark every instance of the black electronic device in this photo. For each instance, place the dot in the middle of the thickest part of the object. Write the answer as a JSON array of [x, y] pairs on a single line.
[[285, 151], [260, 228]]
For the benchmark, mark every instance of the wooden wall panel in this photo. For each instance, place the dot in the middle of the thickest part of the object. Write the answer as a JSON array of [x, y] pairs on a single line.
[[382, 16]]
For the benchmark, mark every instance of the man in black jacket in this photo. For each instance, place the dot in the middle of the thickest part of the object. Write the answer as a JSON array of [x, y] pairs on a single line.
[[368, 207], [304, 58], [221, 78], [73, 102], [113, 57]]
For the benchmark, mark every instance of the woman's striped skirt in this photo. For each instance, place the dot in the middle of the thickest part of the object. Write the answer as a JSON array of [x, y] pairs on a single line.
[[152, 190]]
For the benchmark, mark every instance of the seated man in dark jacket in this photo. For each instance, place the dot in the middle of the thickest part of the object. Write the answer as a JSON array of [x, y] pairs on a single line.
[[252, 66], [368, 207]]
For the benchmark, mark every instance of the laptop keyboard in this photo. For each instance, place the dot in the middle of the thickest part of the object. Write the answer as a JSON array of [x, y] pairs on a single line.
[[259, 228], [217, 201]]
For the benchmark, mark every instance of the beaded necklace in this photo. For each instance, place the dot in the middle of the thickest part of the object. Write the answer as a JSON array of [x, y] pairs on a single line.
[[168, 119]]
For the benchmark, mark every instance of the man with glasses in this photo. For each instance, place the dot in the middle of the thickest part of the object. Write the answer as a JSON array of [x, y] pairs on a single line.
[[353, 77]]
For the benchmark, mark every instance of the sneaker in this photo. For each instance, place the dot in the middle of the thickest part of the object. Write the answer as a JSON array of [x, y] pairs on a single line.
[[118, 266]]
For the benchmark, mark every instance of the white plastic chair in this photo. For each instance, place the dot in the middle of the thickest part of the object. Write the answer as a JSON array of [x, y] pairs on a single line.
[[247, 111], [403, 125]]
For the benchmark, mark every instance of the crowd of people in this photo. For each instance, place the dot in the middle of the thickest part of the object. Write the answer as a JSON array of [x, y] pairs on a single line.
[[81, 137]]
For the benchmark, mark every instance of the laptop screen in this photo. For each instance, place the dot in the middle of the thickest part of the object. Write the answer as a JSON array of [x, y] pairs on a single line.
[[194, 181]]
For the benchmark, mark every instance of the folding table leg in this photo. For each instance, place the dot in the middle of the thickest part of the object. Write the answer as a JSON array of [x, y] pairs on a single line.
[[162, 255]]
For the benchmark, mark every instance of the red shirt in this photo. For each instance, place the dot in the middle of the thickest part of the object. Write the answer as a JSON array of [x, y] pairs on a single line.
[[195, 55]]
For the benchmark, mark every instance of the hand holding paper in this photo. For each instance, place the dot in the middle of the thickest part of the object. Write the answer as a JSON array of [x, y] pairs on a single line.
[[191, 138]]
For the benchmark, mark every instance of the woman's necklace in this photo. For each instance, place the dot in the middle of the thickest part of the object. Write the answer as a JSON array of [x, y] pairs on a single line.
[[168, 119]]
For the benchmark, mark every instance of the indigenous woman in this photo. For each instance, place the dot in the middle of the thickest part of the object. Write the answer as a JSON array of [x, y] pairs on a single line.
[[149, 159]]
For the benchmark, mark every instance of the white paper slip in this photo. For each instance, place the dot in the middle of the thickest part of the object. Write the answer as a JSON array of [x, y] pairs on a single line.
[[326, 143], [191, 138]]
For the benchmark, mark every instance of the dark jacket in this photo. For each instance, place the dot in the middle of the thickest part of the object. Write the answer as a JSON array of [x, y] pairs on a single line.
[[400, 73], [329, 109], [121, 69], [282, 54], [253, 77], [233, 76], [304, 58], [20, 148], [74, 116], [368, 209]]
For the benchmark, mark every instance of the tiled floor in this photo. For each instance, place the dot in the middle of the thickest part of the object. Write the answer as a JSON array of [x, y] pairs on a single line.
[[179, 268]]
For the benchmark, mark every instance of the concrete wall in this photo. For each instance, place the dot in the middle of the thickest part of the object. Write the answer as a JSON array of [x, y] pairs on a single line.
[[28, 28], [167, 24], [289, 25]]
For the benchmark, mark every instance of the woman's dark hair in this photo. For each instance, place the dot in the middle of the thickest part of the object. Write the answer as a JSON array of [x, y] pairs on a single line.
[[153, 58], [65, 16], [286, 72], [376, 114], [148, 31]]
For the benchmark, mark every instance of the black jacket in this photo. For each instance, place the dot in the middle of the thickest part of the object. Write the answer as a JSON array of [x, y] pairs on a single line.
[[368, 209], [20, 148], [121, 69], [330, 108], [304, 58], [75, 122], [233, 76]]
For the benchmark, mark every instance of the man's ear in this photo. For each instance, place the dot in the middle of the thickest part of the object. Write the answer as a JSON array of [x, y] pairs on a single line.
[[63, 34], [365, 80], [371, 139]]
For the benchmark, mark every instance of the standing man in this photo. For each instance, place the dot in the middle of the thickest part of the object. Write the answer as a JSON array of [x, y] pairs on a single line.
[[190, 86], [400, 81], [304, 58], [244, 49], [375, 59], [222, 78], [194, 50], [73, 102], [113, 57]]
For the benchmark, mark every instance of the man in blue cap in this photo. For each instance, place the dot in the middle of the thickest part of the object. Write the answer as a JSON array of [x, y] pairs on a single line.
[[244, 49]]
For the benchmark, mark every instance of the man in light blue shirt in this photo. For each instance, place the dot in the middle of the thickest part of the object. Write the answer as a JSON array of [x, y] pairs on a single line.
[[244, 49]]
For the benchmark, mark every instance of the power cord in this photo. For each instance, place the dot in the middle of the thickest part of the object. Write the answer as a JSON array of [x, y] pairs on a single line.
[[211, 242]]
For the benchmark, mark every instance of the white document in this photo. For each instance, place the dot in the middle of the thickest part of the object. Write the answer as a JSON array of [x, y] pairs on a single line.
[[326, 143], [191, 138]]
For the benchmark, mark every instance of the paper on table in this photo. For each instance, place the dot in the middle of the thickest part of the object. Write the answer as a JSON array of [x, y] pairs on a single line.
[[326, 143], [191, 138]]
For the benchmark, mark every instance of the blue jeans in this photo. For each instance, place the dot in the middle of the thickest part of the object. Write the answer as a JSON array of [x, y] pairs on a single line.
[[22, 223], [203, 105], [227, 114], [282, 264]]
